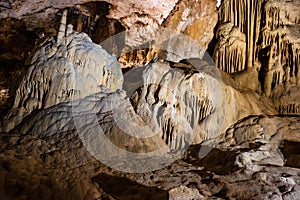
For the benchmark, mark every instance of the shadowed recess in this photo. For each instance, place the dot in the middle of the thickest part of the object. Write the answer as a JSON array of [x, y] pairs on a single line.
[[123, 189]]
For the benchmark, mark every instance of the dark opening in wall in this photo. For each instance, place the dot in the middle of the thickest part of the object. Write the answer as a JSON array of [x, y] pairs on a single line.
[[16, 42], [291, 153], [92, 19]]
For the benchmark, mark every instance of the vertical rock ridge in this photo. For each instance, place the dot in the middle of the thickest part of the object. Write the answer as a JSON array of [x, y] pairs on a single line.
[[245, 15], [280, 46], [230, 51]]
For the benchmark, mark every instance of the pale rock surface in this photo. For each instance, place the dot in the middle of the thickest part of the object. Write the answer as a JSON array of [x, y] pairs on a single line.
[[280, 70], [193, 18], [245, 15], [274, 137], [197, 104], [230, 51], [266, 48], [184, 193], [64, 70]]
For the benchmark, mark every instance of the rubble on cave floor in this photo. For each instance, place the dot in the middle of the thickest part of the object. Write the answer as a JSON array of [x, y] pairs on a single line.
[[127, 118]]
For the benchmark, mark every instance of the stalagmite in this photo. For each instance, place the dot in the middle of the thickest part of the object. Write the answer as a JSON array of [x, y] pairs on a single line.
[[62, 28], [62, 71]]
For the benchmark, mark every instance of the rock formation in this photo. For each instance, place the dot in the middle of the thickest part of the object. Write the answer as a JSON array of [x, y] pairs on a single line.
[[245, 16], [183, 104], [263, 35], [173, 103], [230, 51], [120, 100], [69, 68], [30, 23], [280, 37]]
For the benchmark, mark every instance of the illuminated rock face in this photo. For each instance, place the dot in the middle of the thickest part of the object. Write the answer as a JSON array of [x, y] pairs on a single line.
[[67, 69], [245, 15], [280, 65], [196, 104], [34, 21], [230, 51], [74, 85], [180, 107], [263, 35]]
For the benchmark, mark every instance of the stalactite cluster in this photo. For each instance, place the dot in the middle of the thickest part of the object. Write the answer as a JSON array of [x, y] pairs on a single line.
[[279, 37], [230, 51], [173, 102], [245, 15], [288, 108], [266, 35]]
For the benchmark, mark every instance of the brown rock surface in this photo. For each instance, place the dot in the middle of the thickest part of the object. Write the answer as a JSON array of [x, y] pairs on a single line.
[[145, 114], [55, 164], [270, 45]]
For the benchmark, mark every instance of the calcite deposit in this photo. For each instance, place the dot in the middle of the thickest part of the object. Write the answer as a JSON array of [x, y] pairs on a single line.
[[65, 69], [168, 99], [263, 35]]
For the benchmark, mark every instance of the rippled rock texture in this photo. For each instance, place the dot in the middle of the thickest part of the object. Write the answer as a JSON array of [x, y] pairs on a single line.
[[67, 69], [146, 114], [263, 35], [25, 24]]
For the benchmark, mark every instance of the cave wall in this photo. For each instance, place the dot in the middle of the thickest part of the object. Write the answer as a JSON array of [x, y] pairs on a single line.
[[261, 39], [280, 39], [245, 16], [27, 23]]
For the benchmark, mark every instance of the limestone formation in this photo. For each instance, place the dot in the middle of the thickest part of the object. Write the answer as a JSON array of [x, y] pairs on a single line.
[[64, 70], [184, 105], [245, 15], [266, 38], [274, 135], [230, 51], [280, 36], [147, 114], [192, 18]]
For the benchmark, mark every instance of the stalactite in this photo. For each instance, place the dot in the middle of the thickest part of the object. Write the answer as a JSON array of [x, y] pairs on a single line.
[[178, 102], [291, 108], [278, 36], [230, 51], [244, 14]]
